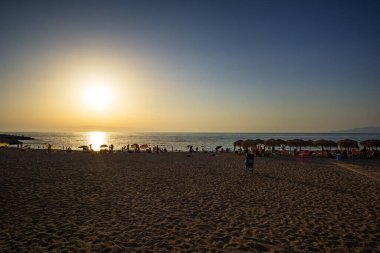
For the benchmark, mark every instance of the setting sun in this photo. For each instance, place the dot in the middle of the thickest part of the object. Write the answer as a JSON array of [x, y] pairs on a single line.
[[97, 96]]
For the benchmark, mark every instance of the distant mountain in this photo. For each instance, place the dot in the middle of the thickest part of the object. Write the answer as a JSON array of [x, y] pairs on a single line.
[[363, 130]]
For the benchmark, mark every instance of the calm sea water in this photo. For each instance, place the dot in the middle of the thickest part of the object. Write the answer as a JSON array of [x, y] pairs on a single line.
[[179, 141]]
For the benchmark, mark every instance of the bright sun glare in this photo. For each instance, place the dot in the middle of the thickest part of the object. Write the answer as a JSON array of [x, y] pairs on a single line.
[[96, 139], [98, 95]]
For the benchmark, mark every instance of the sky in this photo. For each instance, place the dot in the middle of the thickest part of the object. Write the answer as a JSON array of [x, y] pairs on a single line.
[[189, 66]]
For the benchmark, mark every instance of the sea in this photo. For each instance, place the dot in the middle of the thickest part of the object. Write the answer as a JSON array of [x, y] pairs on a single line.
[[171, 141]]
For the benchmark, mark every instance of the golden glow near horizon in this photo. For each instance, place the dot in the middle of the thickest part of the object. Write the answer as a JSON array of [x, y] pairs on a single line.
[[96, 139], [103, 90]]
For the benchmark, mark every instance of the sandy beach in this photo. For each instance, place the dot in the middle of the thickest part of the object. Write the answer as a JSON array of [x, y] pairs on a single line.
[[91, 202]]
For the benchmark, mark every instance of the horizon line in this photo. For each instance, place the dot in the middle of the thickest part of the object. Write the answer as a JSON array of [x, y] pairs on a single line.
[[194, 132]]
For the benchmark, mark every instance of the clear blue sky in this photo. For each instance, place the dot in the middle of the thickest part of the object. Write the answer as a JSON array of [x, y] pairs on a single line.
[[274, 65]]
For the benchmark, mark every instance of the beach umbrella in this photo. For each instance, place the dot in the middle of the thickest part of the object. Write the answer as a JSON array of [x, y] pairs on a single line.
[[274, 142], [291, 143], [375, 143], [322, 143], [296, 143], [348, 143], [303, 143], [270, 142], [371, 143], [281, 142], [84, 147], [103, 146], [238, 143], [365, 143], [309, 143], [332, 144], [259, 141], [218, 147], [135, 146], [248, 143], [144, 146], [325, 143]]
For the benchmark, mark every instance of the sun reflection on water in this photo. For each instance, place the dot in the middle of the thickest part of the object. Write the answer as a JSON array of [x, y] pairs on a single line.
[[96, 139]]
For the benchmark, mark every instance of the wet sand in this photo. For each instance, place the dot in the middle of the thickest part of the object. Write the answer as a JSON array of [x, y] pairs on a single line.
[[86, 202]]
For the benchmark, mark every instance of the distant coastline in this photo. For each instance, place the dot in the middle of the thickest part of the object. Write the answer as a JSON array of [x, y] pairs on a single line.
[[361, 130]]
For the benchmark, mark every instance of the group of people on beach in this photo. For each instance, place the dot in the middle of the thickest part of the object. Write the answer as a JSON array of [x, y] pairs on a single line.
[[355, 153], [217, 149], [257, 150]]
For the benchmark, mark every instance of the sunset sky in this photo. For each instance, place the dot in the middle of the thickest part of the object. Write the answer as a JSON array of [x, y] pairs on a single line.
[[198, 66]]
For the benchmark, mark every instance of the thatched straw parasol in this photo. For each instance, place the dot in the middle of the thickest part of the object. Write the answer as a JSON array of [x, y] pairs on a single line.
[[238, 143], [325, 143], [248, 144], [274, 142], [348, 143], [309, 143], [321, 143], [371, 143], [297, 143], [270, 142], [259, 141]]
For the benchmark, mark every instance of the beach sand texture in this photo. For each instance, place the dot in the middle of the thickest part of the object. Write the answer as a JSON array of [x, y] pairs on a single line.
[[87, 202]]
